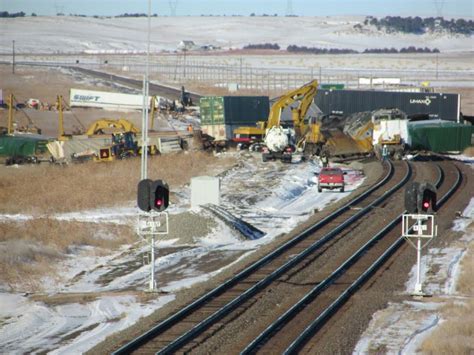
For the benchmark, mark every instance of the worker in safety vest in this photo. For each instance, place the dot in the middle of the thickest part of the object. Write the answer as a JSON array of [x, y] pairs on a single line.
[[384, 152]]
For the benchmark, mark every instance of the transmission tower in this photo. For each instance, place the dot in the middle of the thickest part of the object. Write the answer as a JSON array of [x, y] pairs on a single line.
[[173, 5], [289, 8], [439, 7]]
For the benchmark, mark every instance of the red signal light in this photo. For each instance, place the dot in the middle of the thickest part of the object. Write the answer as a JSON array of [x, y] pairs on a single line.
[[426, 204], [158, 202]]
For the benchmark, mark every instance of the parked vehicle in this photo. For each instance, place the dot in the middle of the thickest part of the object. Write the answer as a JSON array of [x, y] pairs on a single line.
[[331, 178]]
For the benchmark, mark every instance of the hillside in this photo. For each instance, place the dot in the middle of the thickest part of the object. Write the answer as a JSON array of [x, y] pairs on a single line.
[[76, 34]]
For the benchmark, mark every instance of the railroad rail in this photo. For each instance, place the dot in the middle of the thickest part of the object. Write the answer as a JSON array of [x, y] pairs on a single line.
[[392, 242], [192, 321], [323, 301]]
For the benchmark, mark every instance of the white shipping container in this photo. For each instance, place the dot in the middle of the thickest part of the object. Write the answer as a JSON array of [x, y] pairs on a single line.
[[106, 100], [387, 130]]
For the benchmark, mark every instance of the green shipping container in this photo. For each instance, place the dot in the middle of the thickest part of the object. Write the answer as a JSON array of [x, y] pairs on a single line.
[[22, 146], [441, 137], [234, 110], [331, 86]]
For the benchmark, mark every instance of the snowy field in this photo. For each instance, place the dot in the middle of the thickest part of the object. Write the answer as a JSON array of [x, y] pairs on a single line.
[[272, 196], [122, 42], [402, 327], [75, 34]]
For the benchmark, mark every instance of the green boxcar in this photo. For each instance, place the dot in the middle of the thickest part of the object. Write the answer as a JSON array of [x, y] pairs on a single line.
[[441, 137], [234, 110], [22, 146]]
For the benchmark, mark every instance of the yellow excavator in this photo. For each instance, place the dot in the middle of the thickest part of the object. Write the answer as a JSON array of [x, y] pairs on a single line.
[[105, 125], [277, 139], [280, 143]]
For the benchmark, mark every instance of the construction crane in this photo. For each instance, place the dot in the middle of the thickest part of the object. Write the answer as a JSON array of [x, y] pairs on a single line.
[[31, 127], [60, 104]]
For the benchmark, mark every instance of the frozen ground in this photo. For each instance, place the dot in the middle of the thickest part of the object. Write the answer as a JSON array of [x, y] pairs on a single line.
[[119, 35], [402, 327], [98, 296]]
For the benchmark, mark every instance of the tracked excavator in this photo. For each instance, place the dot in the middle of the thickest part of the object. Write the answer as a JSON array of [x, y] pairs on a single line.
[[280, 142]]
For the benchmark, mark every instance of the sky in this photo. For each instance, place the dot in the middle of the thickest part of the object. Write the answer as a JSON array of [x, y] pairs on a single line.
[[424, 8]]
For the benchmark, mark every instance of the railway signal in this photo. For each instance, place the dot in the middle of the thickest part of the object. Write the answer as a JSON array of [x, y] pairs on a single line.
[[143, 196], [411, 195], [419, 222], [427, 195], [420, 198], [159, 196], [152, 197]]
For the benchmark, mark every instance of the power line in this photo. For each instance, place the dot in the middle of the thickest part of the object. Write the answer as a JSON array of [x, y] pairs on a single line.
[[173, 5], [289, 8], [439, 7]]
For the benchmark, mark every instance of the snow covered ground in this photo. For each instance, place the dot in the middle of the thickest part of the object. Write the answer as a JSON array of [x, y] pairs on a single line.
[[118, 35], [98, 296], [402, 327]]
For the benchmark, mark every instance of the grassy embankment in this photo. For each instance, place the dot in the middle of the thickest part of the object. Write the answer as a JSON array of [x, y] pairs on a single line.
[[455, 335], [30, 248]]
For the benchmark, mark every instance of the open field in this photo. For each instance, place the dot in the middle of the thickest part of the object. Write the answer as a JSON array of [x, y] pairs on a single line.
[[74, 34]]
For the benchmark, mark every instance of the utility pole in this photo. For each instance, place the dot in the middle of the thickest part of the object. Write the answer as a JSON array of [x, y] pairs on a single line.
[[437, 66], [13, 61], [240, 73], [146, 103], [289, 8], [184, 63]]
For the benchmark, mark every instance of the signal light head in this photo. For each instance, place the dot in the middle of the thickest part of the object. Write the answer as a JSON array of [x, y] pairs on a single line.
[[159, 195]]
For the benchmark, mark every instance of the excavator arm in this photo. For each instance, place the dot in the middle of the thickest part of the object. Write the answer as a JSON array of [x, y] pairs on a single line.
[[304, 95], [120, 125]]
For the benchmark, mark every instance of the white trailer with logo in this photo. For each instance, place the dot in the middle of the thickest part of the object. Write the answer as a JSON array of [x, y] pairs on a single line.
[[109, 100]]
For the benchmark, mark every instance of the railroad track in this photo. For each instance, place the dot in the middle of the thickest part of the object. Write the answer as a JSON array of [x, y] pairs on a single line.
[[292, 332], [155, 89], [198, 321]]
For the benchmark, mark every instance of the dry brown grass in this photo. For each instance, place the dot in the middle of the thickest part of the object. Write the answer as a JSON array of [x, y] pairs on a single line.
[[456, 334], [469, 152], [47, 189], [30, 249], [465, 284]]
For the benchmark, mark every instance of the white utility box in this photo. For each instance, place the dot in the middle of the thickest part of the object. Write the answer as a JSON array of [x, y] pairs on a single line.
[[205, 189]]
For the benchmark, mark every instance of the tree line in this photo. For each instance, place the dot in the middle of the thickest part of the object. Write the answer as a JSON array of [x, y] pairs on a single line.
[[273, 46], [418, 25], [315, 50]]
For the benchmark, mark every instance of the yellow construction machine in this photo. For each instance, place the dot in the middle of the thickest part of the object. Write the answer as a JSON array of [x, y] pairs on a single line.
[[62, 136], [307, 134], [105, 125], [280, 143]]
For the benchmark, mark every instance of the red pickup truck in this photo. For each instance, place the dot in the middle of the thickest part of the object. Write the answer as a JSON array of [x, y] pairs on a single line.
[[331, 178]]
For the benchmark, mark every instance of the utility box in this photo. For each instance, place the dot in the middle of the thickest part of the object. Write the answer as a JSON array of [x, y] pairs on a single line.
[[205, 189]]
